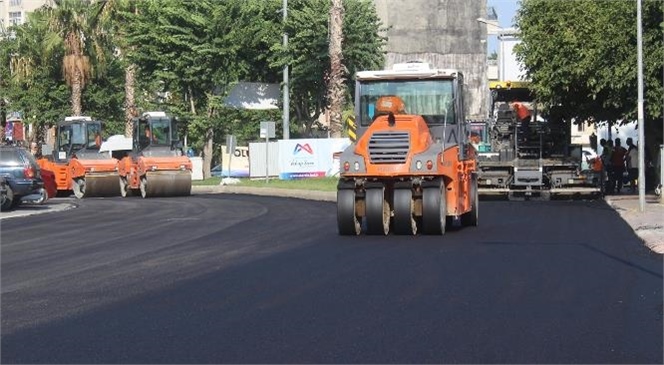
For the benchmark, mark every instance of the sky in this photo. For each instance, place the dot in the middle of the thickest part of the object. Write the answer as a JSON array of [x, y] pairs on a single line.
[[506, 10]]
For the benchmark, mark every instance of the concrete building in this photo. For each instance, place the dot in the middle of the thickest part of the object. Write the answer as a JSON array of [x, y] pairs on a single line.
[[14, 12], [444, 33]]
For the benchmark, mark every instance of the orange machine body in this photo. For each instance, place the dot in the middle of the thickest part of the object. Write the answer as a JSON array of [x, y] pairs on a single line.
[[455, 173], [81, 167], [413, 165], [156, 166], [60, 171], [134, 167]]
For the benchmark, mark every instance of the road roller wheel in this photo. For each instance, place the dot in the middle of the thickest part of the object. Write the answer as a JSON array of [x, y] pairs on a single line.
[[348, 222], [471, 218], [144, 187], [377, 212], [125, 190], [78, 187], [404, 221], [434, 210]]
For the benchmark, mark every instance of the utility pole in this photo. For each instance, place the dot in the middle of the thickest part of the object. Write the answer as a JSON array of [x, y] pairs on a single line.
[[642, 141], [286, 102]]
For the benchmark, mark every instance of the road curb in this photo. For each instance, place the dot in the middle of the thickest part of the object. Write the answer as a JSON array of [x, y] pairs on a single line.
[[328, 196], [649, 225]]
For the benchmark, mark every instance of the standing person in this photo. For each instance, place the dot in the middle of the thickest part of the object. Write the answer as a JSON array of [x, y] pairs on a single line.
[[618, 165], [522, 116], [632, 162], [607, 151]]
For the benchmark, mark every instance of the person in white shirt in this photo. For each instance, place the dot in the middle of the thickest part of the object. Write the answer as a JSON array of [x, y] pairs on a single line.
[[632, 162]]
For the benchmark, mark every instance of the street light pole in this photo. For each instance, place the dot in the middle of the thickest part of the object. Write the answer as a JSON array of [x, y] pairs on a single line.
[[286, 102], [641, 126]]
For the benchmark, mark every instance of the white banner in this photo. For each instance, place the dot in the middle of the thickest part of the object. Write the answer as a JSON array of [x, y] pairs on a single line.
[[309, 158], [239, 162]]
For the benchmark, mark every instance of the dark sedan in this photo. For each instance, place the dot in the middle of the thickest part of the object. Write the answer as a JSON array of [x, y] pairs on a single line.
[[22, 182]]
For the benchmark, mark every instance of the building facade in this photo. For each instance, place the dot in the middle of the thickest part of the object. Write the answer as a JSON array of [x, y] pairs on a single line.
[[444, 33], [14, 12]]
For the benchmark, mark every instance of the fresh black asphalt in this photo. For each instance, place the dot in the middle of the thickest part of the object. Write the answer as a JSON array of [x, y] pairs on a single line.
[[248, 279]]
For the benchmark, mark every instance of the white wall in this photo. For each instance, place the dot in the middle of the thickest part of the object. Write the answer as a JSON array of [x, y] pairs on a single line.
[[196, 168], [510, 69]]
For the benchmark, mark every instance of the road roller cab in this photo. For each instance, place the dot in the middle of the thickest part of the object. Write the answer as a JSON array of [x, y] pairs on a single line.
[[76, 162], [156, 166], [412, 167]]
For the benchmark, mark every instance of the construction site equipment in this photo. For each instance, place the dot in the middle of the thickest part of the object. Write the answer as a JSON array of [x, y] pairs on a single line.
[[412, 167], [75, 160], [157, 165], [531, 160]]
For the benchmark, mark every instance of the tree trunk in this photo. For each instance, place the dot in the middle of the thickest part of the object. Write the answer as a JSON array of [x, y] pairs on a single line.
[[208, 147], [209, 137], [130, 101], [207, 152], [76, 91], [335, 93]]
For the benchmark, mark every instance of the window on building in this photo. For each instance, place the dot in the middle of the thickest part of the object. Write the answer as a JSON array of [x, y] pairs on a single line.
[[14, 2], [15, 18]]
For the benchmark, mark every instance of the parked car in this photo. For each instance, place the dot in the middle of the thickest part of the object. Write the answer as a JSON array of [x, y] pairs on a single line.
[[22, 182]]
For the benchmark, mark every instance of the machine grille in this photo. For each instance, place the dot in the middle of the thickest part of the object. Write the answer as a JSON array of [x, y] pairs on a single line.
[[389, 147]]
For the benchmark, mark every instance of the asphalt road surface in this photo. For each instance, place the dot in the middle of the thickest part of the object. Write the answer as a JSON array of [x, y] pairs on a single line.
[[248, 279]]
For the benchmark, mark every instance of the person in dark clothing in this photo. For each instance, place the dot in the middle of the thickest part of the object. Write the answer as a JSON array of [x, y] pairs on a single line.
[[607, 151], [618, 165]]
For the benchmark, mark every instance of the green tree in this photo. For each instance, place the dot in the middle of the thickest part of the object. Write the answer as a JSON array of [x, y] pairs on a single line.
[[69, 29], [30, 79], [581, 57], [308, 57], [190, 49], [110, 21]]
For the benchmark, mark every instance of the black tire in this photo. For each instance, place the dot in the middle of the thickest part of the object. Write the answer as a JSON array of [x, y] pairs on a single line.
[[404, 221], [472, 217], [7, 202], [434, 210], [377, 212], [348, 222]]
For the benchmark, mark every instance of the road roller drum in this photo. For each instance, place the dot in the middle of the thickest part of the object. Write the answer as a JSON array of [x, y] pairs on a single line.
[[166, 183], [95, 185]]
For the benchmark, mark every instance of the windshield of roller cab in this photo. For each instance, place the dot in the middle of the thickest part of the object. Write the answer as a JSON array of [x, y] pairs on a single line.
[[71, 137], [433, 99], [161, 128]]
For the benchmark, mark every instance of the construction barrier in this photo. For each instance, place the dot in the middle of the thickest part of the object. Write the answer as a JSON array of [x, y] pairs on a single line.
[[352, 128]]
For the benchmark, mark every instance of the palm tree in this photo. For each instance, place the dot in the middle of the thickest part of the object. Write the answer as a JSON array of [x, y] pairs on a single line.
[[335, 90], [68, 25], [27, 77], [110, 18]]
